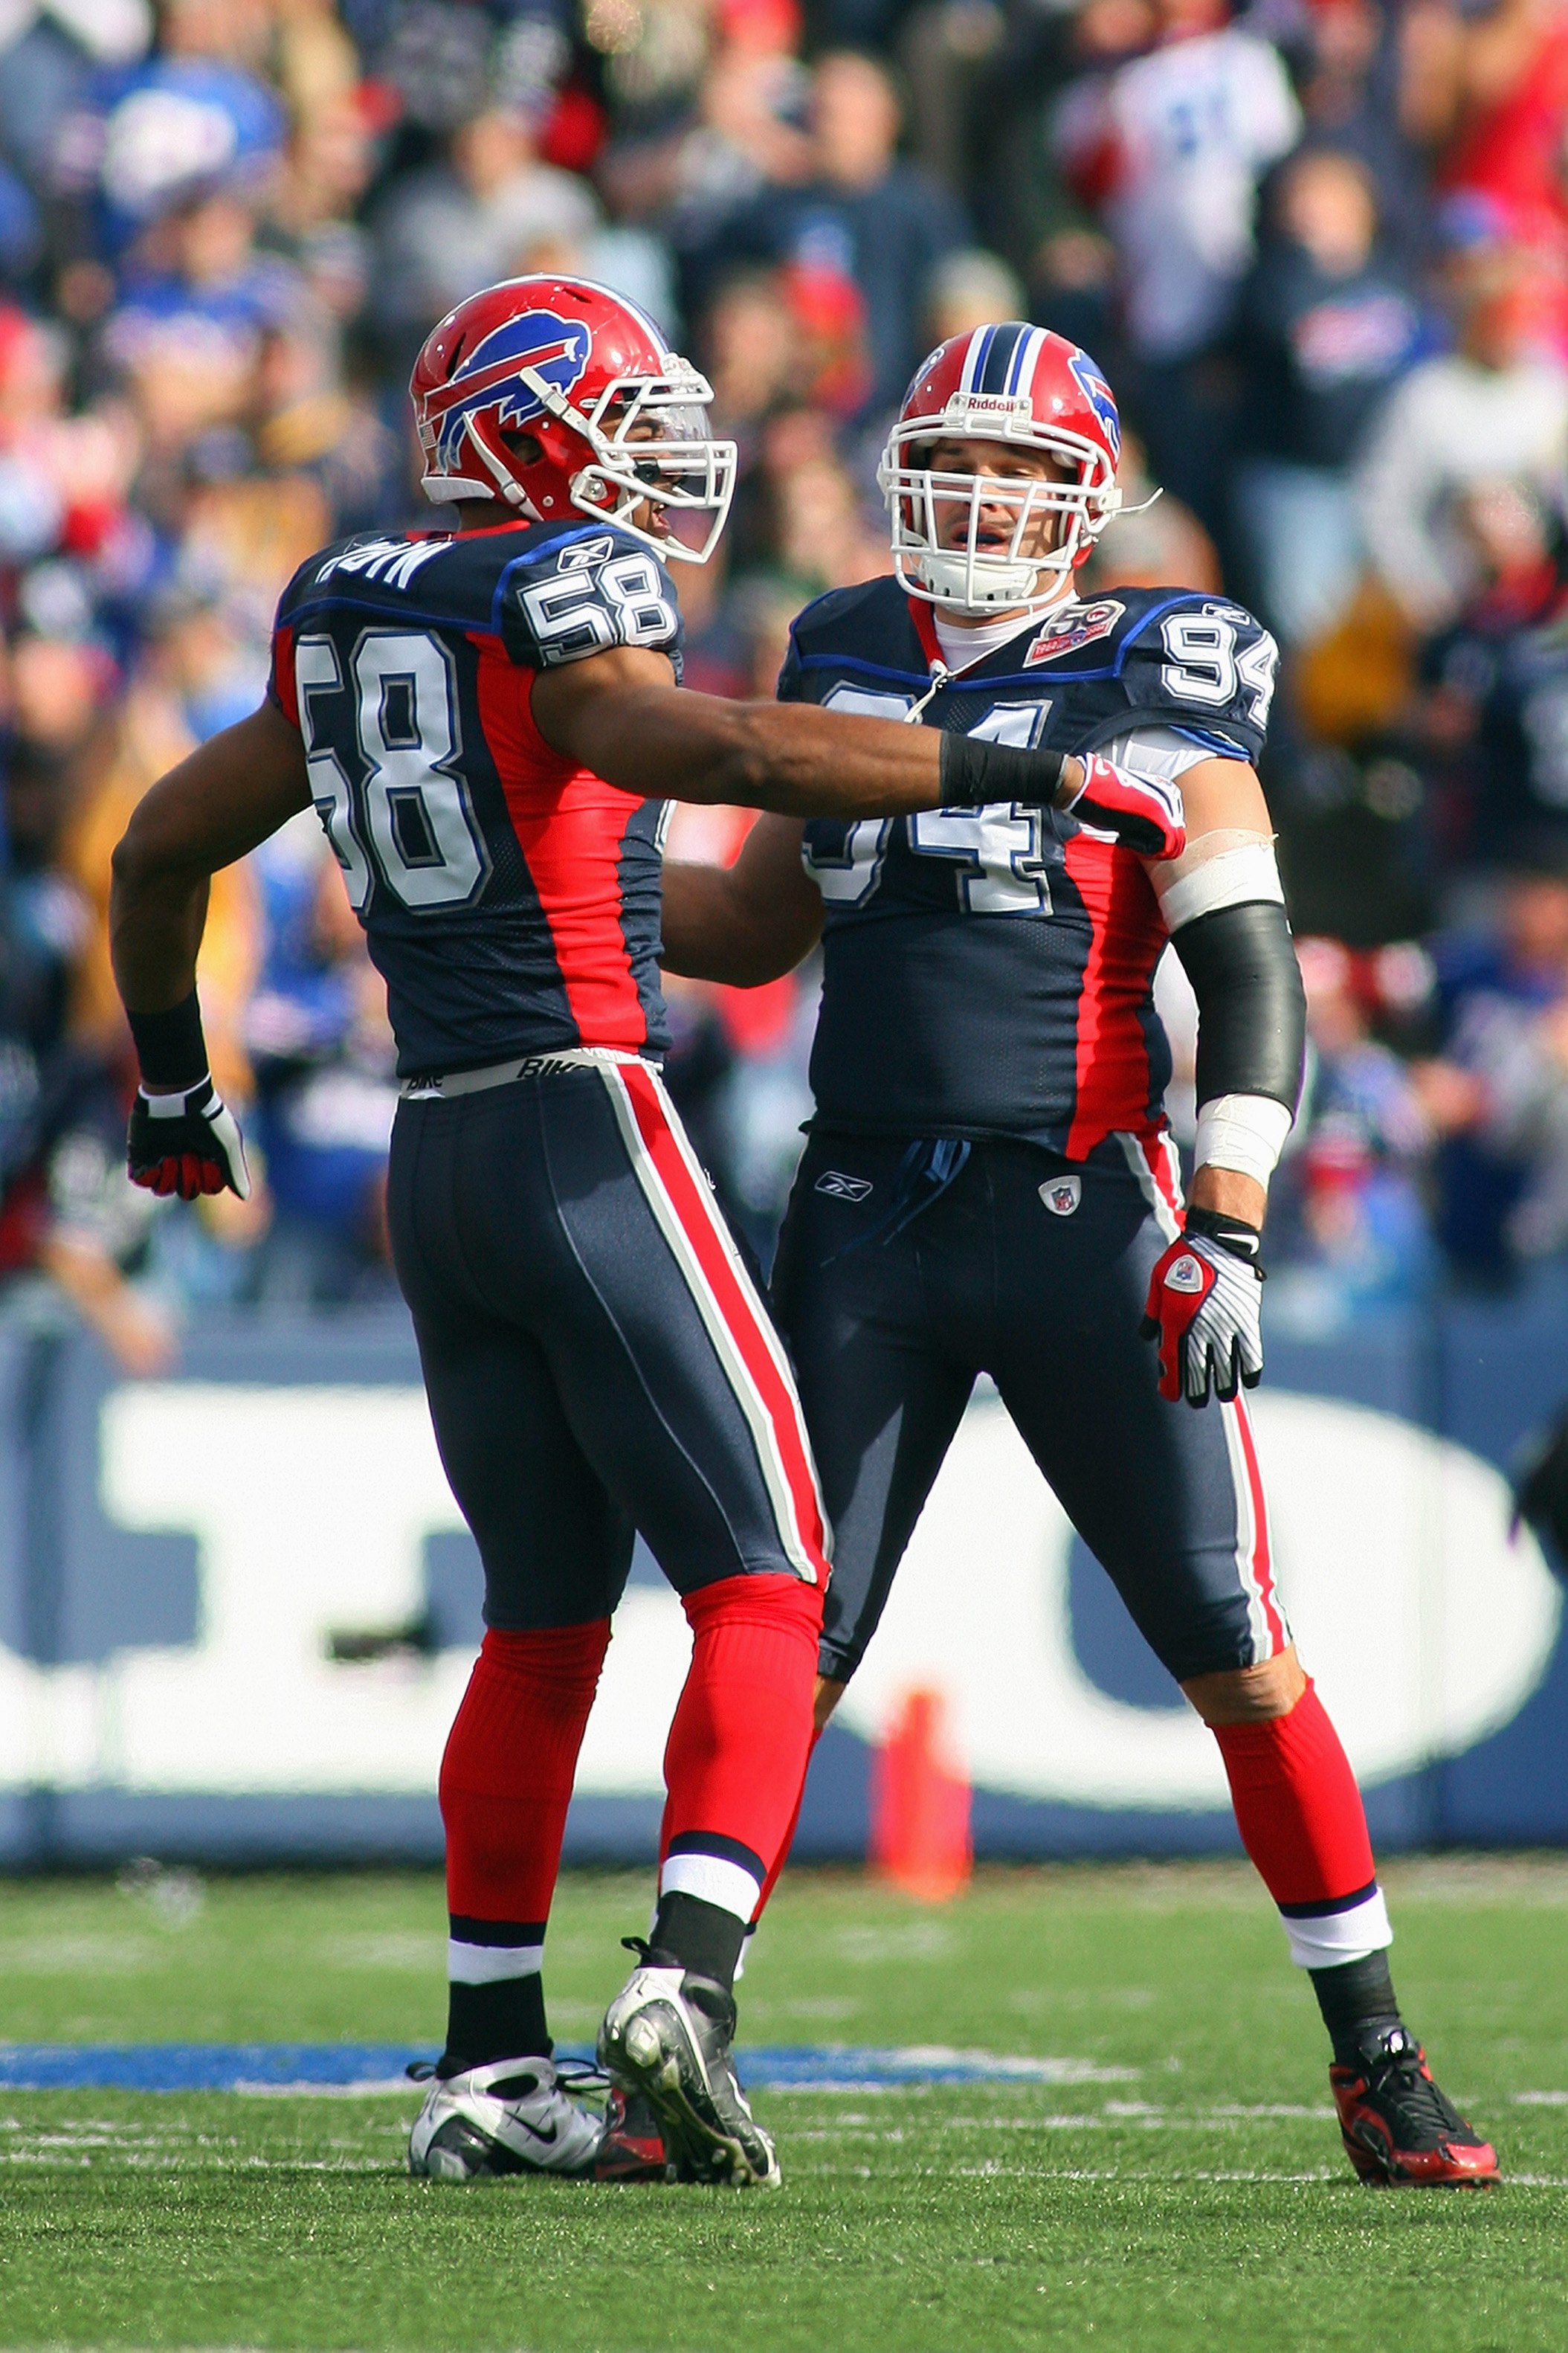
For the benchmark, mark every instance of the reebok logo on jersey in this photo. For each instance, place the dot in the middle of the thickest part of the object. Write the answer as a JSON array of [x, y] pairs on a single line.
[[1186, 1275], [839, 1187], [1079, 624], [1061, 1195], [582, 558]]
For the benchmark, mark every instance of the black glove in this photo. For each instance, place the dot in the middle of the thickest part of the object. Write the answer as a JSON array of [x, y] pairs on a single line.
[[186, 1144]]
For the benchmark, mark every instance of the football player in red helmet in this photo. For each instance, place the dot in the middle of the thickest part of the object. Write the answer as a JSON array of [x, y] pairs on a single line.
[[990, 1071], [558, 407], [997, 497], [488, 720]]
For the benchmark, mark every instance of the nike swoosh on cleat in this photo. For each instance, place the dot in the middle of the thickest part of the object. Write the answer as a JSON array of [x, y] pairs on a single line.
[[547, 2138]]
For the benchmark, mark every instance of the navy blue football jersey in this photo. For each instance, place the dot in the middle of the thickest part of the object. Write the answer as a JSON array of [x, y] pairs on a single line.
[[991, 971], [510, 899]]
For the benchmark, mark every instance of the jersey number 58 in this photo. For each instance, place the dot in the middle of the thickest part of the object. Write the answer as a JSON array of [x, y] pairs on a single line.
[[410, 820]]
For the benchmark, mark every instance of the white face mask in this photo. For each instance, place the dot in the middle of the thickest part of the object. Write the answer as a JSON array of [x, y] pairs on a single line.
[[972, 578]]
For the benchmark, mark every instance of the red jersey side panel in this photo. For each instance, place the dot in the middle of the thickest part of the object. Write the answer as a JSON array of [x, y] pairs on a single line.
[[572, 829], [511, 902], [1116, 1076]]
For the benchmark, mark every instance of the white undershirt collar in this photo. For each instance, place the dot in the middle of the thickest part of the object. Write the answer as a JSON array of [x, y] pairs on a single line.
[[961, 647]]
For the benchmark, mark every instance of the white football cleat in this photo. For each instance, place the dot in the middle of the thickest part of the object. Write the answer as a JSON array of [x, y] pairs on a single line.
[[668, 2034], [513, 2116]]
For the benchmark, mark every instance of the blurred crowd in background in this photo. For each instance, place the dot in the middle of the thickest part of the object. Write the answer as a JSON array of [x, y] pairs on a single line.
[[1320, 247]]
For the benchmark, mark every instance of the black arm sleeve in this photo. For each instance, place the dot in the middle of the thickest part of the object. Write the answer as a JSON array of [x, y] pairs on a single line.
[[1252, 1008]]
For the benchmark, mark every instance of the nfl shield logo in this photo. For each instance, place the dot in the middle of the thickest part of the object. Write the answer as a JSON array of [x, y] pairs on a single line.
[[1061, 1195]]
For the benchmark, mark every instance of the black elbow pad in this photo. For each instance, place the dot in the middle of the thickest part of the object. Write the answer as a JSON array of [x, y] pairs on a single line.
[[1252, 1008]]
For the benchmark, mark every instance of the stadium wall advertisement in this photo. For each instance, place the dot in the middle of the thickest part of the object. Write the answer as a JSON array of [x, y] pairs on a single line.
[[238, 1608]]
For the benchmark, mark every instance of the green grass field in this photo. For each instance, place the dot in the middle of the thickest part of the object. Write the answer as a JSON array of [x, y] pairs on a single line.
[[1196, 2200]]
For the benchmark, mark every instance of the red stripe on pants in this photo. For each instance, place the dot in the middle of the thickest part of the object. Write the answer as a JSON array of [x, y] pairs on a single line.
[[693, 1208], [1262, 1555]]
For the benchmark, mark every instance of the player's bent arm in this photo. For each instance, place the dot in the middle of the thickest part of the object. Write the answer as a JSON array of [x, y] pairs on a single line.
[[221, 802], [744, 923], [228, 797], [1225, 910], [1223, 902]]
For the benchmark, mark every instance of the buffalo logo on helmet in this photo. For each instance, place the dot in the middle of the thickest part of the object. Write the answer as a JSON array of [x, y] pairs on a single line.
[[1100, 398], [556, 349]]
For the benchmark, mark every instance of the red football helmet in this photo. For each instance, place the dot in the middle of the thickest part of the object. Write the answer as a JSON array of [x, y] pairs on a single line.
[[619, 419], [1032, 390]]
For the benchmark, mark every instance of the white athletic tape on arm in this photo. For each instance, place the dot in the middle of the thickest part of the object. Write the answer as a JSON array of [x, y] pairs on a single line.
[[1242, 1132], [1197, 886]]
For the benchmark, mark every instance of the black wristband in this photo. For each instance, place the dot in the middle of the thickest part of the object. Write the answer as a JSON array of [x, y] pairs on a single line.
[[169, 1045], [973, 774], [1233, 1234]]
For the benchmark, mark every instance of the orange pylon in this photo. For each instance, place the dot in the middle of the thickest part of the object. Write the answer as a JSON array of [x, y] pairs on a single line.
[[920, 1805]]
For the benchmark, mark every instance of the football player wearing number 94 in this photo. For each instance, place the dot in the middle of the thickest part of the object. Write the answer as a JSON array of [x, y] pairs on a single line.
[[487, 722], [989, 1185]]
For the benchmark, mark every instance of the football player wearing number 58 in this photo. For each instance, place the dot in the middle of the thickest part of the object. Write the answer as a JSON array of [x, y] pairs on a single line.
[[989, 1185], [487, 722]]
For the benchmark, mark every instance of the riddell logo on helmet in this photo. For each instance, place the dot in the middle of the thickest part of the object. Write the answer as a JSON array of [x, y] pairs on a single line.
[[556, 349], [967, 406]]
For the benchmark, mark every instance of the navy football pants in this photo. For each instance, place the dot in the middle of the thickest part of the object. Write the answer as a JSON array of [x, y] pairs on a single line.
[[892, 1323], [597, 1358]]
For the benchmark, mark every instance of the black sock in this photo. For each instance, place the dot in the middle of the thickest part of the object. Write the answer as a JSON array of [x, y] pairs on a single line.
[[501, 2020], [1357, 2002], [695, 1935]]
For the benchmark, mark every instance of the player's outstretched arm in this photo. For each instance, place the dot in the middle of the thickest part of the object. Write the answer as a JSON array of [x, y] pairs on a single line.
[[619, 714], [214, 807], [747, 922]]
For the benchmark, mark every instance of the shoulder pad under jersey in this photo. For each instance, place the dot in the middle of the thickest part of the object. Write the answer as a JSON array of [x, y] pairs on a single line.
[[869, 621], [1200, 663], [583, 593]]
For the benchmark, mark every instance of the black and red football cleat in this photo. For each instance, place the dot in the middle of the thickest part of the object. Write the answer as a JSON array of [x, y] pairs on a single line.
[[633, 2147], [1399, 2129]]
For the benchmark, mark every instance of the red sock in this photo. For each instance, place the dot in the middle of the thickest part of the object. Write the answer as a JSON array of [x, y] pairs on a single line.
[[772, 1881], [735, 1762], [1298, 1807], [506, 1778]]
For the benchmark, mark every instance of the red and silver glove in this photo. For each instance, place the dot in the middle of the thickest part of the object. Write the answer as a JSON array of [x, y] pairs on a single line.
[[1144, 813], [1203, 1306], [187, 1144]]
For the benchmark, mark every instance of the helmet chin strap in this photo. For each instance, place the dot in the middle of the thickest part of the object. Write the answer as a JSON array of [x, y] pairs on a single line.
[[1000, 586], [507, 485]]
